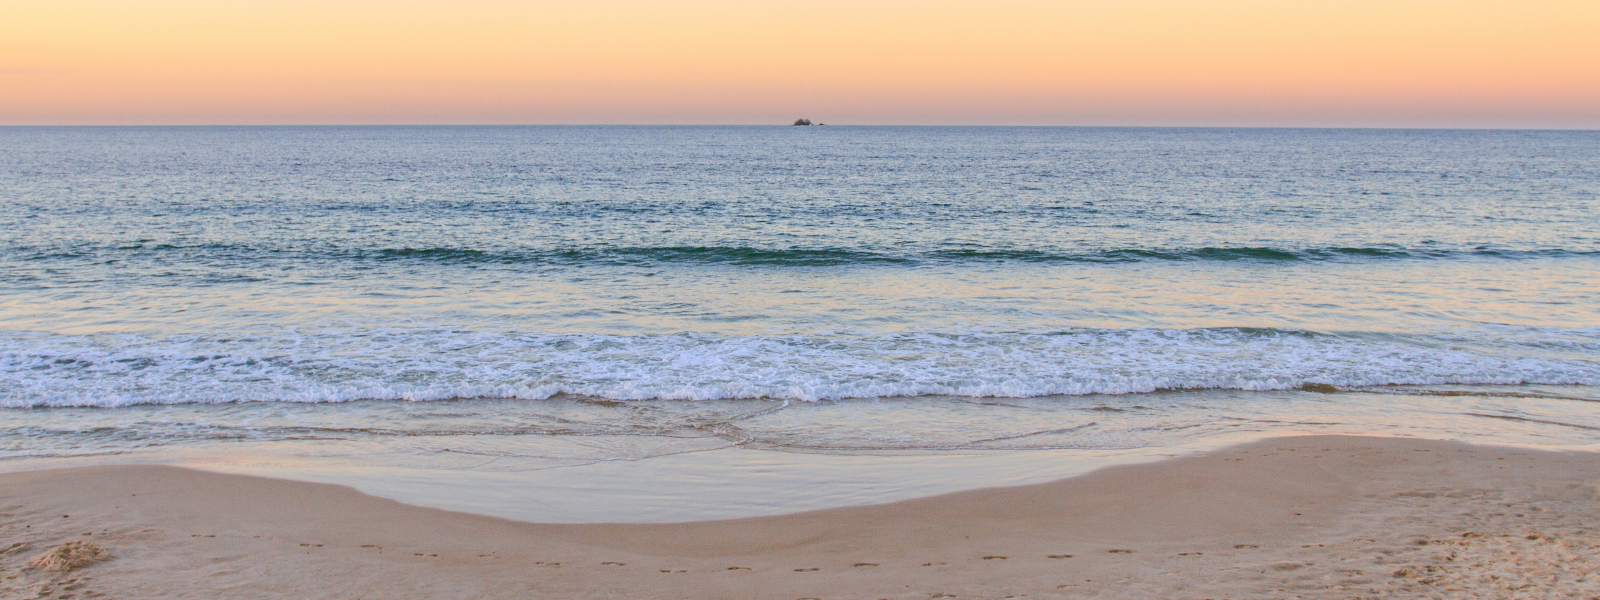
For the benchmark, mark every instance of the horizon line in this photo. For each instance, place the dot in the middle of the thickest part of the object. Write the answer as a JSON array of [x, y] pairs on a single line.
[[786, 125]]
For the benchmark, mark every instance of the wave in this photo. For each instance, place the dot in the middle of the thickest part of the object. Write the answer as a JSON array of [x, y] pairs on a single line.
[[438, 364], [1197, 254], [668, 254], [778, 257]]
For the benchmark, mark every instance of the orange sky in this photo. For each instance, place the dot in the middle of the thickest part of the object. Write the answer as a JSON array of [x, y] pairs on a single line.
[[1530, 63]]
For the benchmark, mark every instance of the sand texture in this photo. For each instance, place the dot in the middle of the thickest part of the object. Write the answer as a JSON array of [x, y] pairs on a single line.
[[1307, 517]]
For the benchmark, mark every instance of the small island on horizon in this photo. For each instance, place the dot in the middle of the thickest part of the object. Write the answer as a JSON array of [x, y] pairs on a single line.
[[805, 123]]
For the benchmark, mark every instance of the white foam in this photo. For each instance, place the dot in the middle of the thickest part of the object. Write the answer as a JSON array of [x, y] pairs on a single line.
[[433, 364]]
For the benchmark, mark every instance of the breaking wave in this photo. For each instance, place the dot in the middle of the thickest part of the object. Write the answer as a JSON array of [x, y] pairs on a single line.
[[41, 370]]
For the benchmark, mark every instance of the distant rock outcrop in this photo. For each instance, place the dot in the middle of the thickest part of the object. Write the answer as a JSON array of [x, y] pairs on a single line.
[[803, 122]]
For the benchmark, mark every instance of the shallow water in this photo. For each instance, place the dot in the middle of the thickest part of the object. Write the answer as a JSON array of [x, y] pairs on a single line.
[[635, 323], [572, 459]]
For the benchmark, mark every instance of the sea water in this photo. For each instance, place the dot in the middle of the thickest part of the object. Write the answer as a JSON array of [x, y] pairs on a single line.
[[664, 323]]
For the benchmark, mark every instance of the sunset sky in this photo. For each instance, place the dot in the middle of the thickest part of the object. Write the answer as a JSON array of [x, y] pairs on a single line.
[[1456, 63]]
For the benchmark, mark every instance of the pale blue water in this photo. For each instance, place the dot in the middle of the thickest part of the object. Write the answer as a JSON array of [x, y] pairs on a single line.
[[479, 298]]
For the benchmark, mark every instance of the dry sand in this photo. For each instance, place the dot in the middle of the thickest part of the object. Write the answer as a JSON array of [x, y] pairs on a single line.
[[1311, 517]]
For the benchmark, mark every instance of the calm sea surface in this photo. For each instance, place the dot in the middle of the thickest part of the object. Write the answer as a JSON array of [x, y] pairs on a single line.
[[489, 301]]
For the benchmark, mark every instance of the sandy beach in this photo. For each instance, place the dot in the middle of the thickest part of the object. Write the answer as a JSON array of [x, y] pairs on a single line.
[[1307, 517]]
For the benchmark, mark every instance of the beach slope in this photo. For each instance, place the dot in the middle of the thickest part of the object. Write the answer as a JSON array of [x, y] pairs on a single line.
[[1311, 517]]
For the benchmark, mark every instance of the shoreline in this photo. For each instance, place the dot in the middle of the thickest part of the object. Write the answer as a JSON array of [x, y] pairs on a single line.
[[586, 460], [1309, 516]]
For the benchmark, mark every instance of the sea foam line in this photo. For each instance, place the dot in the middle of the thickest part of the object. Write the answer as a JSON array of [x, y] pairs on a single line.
[[439, 364]]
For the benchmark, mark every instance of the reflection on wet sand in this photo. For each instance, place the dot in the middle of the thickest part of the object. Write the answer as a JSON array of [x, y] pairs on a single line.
[[595, 459]]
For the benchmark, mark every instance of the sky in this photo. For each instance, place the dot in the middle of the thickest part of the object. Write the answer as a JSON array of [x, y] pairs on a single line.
[[1321, 63]]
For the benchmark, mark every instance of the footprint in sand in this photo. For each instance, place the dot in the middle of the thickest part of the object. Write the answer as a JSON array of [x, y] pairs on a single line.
[[865, 564], [1245, 546], [1060, 556], [807, 570], [738, 568], [992, 557], [672, 571], [1120, 551], [614, 563]]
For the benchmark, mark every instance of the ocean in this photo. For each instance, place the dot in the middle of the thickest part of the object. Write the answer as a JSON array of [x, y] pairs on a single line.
[[670, 323]]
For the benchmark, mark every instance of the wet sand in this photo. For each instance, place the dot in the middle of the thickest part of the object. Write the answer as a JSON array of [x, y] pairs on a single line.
[[1311, 517]]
